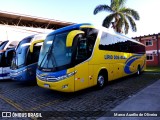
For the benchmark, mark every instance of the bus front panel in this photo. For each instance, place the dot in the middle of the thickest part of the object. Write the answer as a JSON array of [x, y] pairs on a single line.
[[60, 81]]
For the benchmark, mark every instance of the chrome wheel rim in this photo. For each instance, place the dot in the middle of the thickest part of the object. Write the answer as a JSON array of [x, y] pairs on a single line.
[[101, 81]]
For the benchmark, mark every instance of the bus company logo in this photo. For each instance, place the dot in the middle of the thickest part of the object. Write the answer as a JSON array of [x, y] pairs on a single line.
[[115, 57], [6, 114], [51, 77], [46, 70], [43, 75]]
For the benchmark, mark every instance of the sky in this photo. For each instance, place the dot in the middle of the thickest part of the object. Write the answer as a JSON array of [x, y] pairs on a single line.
[[81, 11]]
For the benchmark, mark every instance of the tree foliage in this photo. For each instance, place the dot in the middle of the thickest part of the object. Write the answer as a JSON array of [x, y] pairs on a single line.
[[120, 17]]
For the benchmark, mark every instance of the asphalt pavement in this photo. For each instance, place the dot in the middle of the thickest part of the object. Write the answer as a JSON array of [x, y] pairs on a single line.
[[132, 93]]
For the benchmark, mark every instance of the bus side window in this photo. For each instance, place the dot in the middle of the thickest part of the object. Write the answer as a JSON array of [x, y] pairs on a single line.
[[36, 53], [81, 50], [33, 57], [86, 44], [123, 47], [2, 60]]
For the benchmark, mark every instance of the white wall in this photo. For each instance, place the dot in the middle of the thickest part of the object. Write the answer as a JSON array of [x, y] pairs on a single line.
[[8, 32]]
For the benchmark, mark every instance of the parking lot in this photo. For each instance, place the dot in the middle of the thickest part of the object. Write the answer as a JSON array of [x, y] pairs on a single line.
[[90, 102]]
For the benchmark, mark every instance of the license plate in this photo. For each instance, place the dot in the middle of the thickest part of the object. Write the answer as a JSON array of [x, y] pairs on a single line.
[[46, 86]]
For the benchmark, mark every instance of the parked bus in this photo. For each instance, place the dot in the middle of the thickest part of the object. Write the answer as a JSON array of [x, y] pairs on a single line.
[[6, 54], [82, 55], [24, 63]]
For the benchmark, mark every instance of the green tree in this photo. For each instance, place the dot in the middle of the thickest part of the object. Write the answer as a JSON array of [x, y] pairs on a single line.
[[120, 16]]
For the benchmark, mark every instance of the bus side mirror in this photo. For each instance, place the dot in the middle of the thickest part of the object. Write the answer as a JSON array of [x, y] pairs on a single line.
[[1, 59], [9, 52], [9, 56], [33, 43], [71, 36]]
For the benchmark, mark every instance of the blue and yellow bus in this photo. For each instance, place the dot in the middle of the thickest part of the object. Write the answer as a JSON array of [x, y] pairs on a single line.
[[7, 49], [82, 55], [24, 63]]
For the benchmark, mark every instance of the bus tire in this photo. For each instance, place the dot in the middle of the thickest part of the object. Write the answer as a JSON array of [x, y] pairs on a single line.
[[101, 80], [138, 70]]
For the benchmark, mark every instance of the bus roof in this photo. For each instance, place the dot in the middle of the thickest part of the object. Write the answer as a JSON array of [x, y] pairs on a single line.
[[77, 26], [71, 27], [31, 36], [35, 37], [29, 39]]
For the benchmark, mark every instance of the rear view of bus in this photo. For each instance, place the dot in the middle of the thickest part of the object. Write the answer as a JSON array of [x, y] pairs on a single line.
[[24, 63], [6, 54], [82, 55]]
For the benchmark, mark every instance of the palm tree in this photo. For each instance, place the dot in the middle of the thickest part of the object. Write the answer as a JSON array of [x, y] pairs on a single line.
[[120, 16]]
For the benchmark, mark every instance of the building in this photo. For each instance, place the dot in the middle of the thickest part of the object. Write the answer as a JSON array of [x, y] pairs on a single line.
[[152, 43], [14, 26]]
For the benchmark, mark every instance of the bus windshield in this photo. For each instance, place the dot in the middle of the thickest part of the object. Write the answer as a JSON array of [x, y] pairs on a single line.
[[19, 58], [54, 53]]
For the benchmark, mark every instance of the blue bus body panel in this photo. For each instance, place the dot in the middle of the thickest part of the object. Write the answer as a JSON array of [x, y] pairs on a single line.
[[67, 28], [27, 73], [4, 73]]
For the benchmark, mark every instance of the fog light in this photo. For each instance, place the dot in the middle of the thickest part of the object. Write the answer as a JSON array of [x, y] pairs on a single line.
[[64, 86]]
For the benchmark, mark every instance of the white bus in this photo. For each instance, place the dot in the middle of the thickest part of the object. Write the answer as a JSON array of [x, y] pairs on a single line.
[[6, 54]]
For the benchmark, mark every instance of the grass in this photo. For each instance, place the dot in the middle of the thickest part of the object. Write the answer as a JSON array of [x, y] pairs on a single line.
[[153, 69]]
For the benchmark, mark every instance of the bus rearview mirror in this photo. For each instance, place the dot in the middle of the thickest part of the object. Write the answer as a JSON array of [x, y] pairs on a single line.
[[9, 55], [9, 51], [71, 36], [33, 43]]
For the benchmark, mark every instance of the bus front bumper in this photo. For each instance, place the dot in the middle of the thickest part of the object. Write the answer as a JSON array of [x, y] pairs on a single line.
[[66, 85], [21, 74], [18, 76]]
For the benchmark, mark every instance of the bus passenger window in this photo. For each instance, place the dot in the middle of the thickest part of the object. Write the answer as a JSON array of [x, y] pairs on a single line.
[[91, 41], [81, 50], [85, 45], [123, 47], [33, 57]]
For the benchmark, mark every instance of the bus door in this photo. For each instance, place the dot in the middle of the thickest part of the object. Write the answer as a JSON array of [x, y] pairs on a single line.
[[84, 48], [84, 75], [81, 76]]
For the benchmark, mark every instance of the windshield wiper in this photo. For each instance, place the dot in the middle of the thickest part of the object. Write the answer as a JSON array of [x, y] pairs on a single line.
[[49, 55], [53, 60], [45, 56]]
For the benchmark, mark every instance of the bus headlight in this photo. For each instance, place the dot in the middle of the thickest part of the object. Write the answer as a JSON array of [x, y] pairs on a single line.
[[40, 77], [17, 73], [66, 76]]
